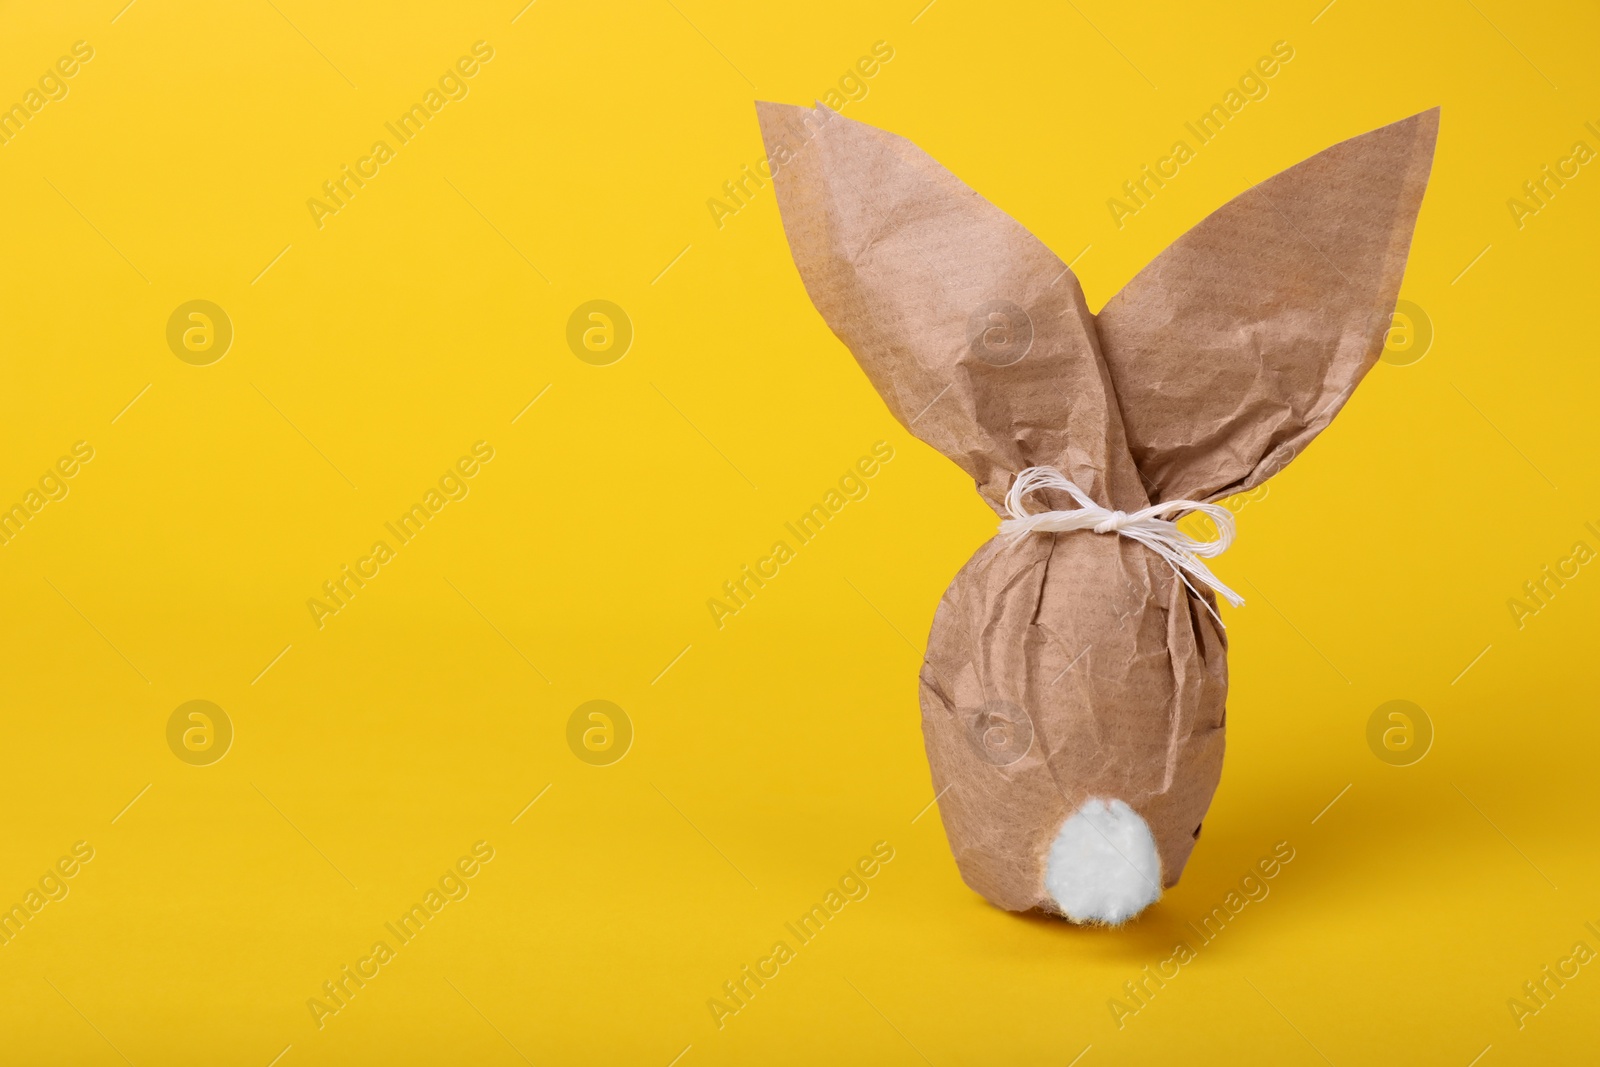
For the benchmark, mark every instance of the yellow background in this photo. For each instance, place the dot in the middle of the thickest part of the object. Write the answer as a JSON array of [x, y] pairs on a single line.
[[774, 752]]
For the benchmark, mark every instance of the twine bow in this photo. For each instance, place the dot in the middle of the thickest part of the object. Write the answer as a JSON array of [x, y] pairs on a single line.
[[1148, 526]]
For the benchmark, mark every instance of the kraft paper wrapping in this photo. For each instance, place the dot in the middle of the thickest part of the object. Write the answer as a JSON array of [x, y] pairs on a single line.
[[1076, 665]]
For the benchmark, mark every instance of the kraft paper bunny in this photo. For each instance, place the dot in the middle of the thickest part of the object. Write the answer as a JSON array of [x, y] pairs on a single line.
[[1074, 685]]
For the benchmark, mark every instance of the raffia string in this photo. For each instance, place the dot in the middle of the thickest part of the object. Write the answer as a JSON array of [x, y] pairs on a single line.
[[1149, 526]]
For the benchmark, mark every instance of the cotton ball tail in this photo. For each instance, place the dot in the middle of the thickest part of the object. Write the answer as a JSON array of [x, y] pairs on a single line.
[[1103, 865]]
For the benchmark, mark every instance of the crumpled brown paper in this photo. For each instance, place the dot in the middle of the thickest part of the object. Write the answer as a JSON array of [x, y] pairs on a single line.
[[1070, 666]]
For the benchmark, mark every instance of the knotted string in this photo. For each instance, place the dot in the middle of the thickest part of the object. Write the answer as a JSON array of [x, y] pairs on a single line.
[[1148, 526]]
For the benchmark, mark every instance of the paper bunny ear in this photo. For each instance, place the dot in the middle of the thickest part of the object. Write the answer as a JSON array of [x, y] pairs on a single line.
[[975, 334], [1241, 341]]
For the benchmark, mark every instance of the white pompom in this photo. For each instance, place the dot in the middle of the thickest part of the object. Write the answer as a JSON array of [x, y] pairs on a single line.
[[1103, 865]]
